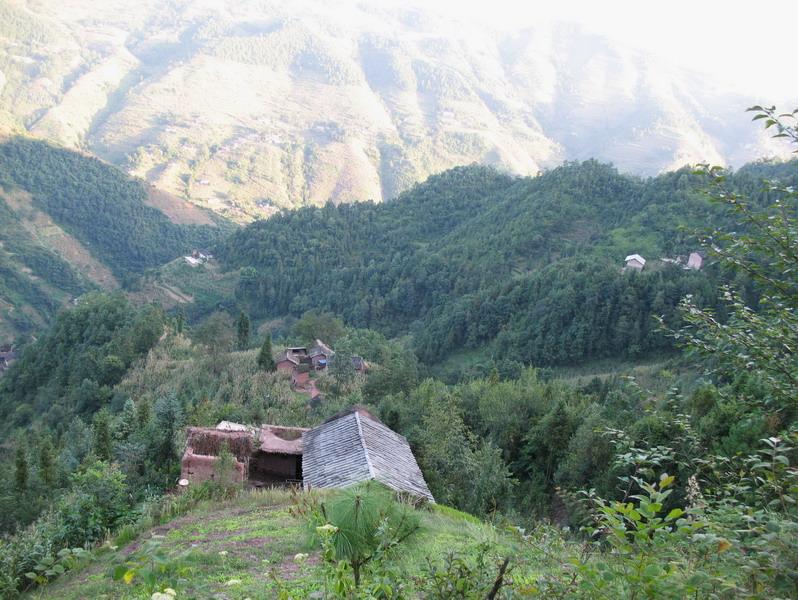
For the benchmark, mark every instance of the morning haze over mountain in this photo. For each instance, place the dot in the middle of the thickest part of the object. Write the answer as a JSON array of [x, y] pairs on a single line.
[[247, 107]]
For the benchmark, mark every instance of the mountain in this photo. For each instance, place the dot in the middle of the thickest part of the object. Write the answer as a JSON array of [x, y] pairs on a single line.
[[252, 106], [71, 224]]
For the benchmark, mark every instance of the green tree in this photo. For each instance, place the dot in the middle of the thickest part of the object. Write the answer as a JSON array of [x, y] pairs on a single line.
[[243, 330], [143, 413], [319, 325], [265, 357], [127, 420], [46, 461], [166, 424], [103, 445], [217, 336], [21, 468], [215, 333], [180, 320]]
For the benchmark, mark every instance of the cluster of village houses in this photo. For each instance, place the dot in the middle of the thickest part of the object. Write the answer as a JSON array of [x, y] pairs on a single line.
[[352, 447], [693, 262], [300, 362], [198, 257]]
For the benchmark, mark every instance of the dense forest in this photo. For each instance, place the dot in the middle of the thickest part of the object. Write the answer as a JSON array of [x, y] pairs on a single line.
[[530, 268], [99, 205]]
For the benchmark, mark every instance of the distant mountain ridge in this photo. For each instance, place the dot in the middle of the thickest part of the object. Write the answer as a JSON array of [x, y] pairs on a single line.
[[252, 106]]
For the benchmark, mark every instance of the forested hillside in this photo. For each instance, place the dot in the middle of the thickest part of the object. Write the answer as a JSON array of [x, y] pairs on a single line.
[[98, 204], [471, 258], [70, 224], [676, 477]]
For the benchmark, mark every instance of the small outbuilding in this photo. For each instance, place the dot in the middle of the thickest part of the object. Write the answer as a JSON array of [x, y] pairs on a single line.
[[354, 446], [635, 261], [320, 355], [695, 261], [203, 447], [278, 459]]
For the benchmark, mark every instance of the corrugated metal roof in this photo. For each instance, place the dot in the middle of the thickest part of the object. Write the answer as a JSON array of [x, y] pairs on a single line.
[[355, 447]]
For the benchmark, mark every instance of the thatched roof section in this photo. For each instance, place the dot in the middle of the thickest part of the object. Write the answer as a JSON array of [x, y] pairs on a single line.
[[275, 439], [354, 447], [208, 441], [230, 426]]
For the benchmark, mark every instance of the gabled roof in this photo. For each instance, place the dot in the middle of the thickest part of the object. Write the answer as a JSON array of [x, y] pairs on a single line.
[[321, 348], [286, 355], [636, 257], [354, 447]]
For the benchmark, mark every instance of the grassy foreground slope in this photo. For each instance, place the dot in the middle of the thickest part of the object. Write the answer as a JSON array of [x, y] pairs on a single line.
[[236, 549]]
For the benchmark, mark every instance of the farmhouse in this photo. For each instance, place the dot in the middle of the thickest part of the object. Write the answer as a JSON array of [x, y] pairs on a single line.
[[7, 357], [264, 455], [290, 359], [695, 261], [320, 355], [355, 446], [349, 448], [635, 261]]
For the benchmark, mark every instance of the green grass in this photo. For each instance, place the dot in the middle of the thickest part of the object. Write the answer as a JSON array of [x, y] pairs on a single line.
[[235, 549]]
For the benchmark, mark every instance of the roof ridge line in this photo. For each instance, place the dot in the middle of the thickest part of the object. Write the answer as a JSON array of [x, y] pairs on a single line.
[[365, 447]]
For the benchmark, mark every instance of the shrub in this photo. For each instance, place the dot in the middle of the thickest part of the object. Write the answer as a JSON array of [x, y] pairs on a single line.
[[363, 524], [99, 502]]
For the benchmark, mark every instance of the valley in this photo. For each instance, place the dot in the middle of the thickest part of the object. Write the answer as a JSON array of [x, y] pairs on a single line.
[[373, 301]]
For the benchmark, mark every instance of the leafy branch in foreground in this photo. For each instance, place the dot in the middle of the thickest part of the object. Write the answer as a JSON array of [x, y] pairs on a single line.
[[759, 342]]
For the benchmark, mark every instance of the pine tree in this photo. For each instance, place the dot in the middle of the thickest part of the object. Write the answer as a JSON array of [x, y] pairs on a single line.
[[102, 435], [142, 413], [128, 422], [180, 321], [243, 327], [167, 420], [265, 358], [46, 462], [21, 468]]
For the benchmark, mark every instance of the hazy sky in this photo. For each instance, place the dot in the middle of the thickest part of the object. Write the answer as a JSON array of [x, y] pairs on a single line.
[[749, 45]]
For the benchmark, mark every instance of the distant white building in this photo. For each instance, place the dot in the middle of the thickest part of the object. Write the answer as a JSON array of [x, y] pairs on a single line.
[[635, 261], [695, 261], [192, 261]]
